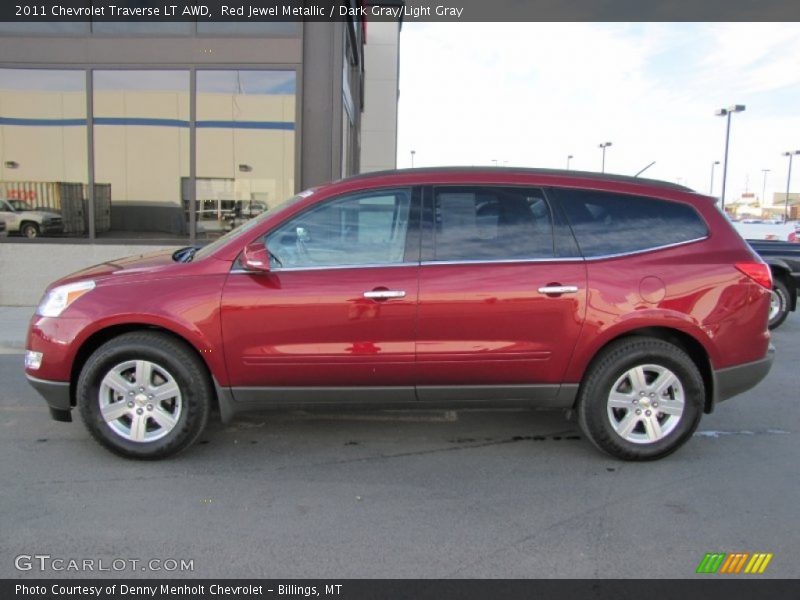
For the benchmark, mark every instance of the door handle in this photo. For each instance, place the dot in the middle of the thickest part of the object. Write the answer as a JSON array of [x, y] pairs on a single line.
[[384, 294], [558, 289]]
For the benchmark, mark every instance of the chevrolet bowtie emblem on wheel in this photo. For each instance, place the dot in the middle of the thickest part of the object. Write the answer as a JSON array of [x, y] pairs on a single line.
[[734, 563]]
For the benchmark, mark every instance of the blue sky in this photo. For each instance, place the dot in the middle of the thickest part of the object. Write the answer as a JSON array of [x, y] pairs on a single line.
[[529, 94]]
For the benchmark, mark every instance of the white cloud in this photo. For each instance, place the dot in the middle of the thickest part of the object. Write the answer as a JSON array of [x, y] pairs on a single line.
[[532, 93]]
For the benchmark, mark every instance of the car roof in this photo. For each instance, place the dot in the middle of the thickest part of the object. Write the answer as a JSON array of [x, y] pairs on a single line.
[[586, 175]]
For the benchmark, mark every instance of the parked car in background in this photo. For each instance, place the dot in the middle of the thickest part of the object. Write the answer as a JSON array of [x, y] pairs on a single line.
[[783, 259], [766, 230], [3, 230], [628, 302], [30, 223]]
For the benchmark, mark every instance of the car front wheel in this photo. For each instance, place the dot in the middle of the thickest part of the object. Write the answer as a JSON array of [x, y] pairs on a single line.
[[144, 395], [641, 399], [30, 230]]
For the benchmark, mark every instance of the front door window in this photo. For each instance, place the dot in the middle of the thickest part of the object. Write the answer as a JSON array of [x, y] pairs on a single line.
[[362, 229]]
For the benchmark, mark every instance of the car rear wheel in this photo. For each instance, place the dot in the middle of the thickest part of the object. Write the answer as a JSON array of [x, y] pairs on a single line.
[[641, 399], [144, 395], [779, 305]]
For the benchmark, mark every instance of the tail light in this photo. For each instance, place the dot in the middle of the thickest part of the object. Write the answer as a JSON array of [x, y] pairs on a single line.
[[793, 237], [758, 272]]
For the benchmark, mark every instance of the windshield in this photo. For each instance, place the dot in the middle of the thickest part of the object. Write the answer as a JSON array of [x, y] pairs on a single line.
[[247, 225], [18, 205]]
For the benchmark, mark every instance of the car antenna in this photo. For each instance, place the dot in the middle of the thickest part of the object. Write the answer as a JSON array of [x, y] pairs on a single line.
[[645, 169]]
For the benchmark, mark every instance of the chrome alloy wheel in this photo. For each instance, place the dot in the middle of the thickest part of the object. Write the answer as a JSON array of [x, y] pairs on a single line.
[[775, 305], [140, 401], [645, 404]]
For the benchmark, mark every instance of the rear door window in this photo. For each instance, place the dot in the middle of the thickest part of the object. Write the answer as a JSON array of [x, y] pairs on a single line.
[[491, 223], [607, 223]]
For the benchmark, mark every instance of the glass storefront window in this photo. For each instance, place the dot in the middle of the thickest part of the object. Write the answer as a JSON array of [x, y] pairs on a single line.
[[43, 152], [141, 151], [245, 145]]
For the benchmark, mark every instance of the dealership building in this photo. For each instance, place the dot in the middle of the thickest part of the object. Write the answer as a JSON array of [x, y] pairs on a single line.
[[163, 134]]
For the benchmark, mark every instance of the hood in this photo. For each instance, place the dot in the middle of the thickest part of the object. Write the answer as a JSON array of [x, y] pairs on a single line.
[[41, 214], [143, 264]]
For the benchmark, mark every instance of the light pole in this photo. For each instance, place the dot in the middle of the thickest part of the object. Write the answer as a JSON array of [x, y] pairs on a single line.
[[603, 146], [727, 112], [711, 188], [788, 181], [764, 186], [569, 158], [413, 152]]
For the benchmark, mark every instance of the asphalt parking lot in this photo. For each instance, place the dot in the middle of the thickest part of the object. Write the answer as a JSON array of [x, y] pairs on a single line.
[[512, 494]]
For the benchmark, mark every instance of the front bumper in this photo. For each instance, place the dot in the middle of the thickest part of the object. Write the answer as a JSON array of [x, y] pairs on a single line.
[[736, 380], [57, 396], [52, 228]]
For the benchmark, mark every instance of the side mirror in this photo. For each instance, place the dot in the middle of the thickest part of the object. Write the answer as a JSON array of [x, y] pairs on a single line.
[[255, 258]]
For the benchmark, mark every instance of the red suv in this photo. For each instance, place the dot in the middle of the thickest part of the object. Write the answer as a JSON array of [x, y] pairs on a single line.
[[632, 303]]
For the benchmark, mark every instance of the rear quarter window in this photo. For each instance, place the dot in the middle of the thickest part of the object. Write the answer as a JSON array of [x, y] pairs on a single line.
[[607, 223]]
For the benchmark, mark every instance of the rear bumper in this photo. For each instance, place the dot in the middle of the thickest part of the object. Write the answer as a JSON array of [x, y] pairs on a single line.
[[56, 394], [736, 380]]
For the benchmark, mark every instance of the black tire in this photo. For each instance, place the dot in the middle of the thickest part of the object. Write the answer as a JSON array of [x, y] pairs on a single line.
[[603, 377], [29, 230], [781, 295], [167, 355]]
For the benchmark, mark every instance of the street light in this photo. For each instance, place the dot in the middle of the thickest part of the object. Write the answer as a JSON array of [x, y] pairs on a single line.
[[764, 185], [569, 158], [604, 146], [788, 181], [727, 112], [413, 152], [711, 188]]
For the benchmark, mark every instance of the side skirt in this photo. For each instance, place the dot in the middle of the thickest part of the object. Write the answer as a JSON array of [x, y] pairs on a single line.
[[238, 400]]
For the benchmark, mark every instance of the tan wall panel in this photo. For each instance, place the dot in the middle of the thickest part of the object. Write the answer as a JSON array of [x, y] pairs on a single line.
[[143, 164], [45, 153]]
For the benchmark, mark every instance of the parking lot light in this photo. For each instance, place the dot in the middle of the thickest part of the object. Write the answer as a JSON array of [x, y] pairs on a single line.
[[603, 146], [790, 154], [727, 112], [711, 187]]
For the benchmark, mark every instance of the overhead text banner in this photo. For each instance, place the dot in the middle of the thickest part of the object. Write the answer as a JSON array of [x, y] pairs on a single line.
[[409, 10]]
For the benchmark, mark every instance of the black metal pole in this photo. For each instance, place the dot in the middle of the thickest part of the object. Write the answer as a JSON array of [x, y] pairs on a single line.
[[725, 164], [788, 181]]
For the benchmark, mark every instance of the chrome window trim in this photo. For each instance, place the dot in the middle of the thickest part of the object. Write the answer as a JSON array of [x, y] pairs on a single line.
[[328, 267], [502, 261], [653, 249]]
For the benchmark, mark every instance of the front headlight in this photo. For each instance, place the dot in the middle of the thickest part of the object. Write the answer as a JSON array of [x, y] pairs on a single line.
[[59, 298]]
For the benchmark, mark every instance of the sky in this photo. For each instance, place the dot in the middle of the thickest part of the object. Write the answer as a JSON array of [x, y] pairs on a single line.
[[530, 94]]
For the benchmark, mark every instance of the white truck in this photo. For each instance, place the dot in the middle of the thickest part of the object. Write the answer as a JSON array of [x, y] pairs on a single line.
[[766, 230], [31, 223]]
